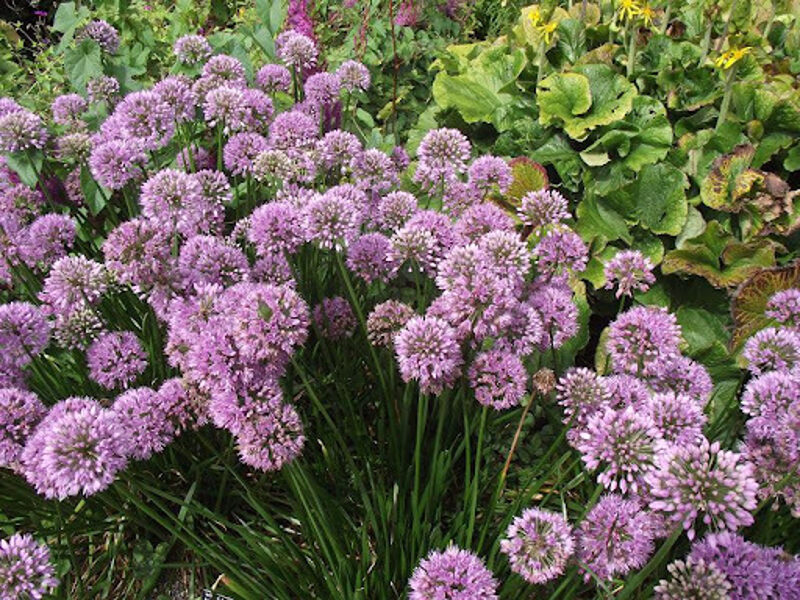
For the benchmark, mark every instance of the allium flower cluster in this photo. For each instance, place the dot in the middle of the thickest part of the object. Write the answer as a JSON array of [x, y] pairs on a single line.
[[103, 33], [273, 78], [498, 379], [443, 155], [68, 108], [640, 336], [21, 130], [385, 320], [629, 271], [772, 349], [116, 359], [454, 574], [334, 318], [693, 580], [543, 207], [296, 50], [20, 412], [26, 570], [784, 307], [428, 351], [538, 544], [192, 49]]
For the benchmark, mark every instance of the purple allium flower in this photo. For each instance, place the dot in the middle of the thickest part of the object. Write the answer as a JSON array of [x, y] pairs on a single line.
[[209, 259], [115, 163], [180, 405], [353, 76], [427, 351], [142, 415], [640, 336], [274, 78], [103, 33], [368, 257], [680, 374], [452, 574], [241, 150], [102, 89], [296, 50], [561, 249], [693, 580], [629, 270], [268, 321], [176, 91], [784, 307], [400, 158], [498, 379], [702, 479], [559, 315], [20, 412], [337, 148], [47, 239], [488, 173], [175, 199], [293, 131], [226, 106], [24, 332], [385, 320], [272, 268], [459, 196], [74, 281], [424, 240], [750, 569], [616, 536], [626, 442], [138, 252], [582, 394], [21, 130], [626, 390], [481, 219], [395, 209], [271, 438], [373, 170], [25, 568], [772, 349], [21, 201], [76, 328], [68, 108], [322, 89], [334, 318], [223, 68], [538, 544], [116, 359], [276, 227], [78, 448], [443, 154], [771, 393], [216, 188], [8, 105], [74, 147], [259, 110], [543, 207], [147, 117], [192, 49], [332, 220], [679, 418], [508, 255]]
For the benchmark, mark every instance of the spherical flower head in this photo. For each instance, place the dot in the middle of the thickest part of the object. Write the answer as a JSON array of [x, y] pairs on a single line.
[[268, 321], [334, 318], [68, 108], [385, 320], [332, 220], [559, 315], [424, 240], [459, 196], [353, 76], [102, 89], [181, 405], [678, 417], [21, 202], [138, 252], [241, 150], [498, 379], [489, 174], [272, 437], [273, 78], [20, 412], [543, 207], [538, 544], [771, 393], [116, 359], [293, 131], [369, 257], [25, 568], [427, 351], [206, 259], [629, 271], [48, 238], [78, 448], [8, 105], [784, 307], [703, 480], [443, 154], [103, 33], [337, 148], [176, 91], [395, 209], [21, 130], [693, 580], [616, 537], [115, 163], [772, 349], [373, 170], [74, 281], [560, 250], [24, 332], [481, 219], [74, 147], [215, 186], [191, 49], [750, 570], [276, 227], [507, 255], [582, 394], [141, 413], [147, 117], [76, 328], [322, 89], [296, 50], [680, 374], [640, 336], [452, 574], [223, 68], [226, 106]]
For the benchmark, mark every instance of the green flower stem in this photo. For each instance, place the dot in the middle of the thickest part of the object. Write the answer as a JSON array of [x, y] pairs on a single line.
[[73, 557], [726, 98], [540, 62], [706, 45], [477, 476], [631, 51]]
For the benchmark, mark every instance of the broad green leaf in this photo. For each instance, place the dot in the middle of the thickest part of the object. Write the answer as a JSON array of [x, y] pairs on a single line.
[[750, 300], [582, 100], [26, 166], [572, 39], [83, 63], [730, 180], [694, 226], [475, 102], [557, 152], [94, 197], [529, 176], [769, 145], [594, 272], [595, 219], [792, 160], [660, 196], [648, 244], [701, 329], [66, 21]]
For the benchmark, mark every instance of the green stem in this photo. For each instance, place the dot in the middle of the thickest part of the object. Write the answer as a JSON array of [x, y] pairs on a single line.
[[72, 555], [706, 45], [726, 98], [476, 476], [540, 70], [631, 51]]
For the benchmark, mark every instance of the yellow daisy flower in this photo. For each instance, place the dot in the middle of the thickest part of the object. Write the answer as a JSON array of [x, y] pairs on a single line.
[[628, 9], [547, 30], [727, 59]]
